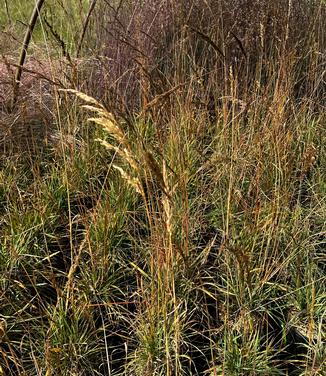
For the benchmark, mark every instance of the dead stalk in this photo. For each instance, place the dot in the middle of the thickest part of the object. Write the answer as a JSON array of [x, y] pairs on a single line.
[[22, 57]]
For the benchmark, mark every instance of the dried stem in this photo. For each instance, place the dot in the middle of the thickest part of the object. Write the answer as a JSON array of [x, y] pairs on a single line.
[[22, 57]]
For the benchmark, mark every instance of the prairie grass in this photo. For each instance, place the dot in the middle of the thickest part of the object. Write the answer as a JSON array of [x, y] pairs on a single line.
[[162, 194]]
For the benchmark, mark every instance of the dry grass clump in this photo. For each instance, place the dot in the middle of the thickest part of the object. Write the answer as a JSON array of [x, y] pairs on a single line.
[[34, 123], [164, 43], [30, 125], [177, 226]]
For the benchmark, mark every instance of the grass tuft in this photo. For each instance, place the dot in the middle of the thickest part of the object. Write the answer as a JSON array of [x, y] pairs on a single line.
[[162, 189]]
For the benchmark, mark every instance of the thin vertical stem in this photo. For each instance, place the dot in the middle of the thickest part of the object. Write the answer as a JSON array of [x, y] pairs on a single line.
[[7, 11], [85, 26], [22, 57]]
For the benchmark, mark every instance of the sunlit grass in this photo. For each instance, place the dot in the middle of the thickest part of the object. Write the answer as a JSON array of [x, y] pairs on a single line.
[[171, 219]]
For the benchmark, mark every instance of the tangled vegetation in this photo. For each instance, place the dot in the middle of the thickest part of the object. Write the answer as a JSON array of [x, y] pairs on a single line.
[[163, 188]]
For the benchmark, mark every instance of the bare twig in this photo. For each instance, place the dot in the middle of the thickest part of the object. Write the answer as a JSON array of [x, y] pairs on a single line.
[[37, 74], [27, 39], [7, 11]]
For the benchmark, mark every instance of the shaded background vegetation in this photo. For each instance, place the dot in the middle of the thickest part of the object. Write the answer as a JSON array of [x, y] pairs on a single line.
[[191, 239]]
